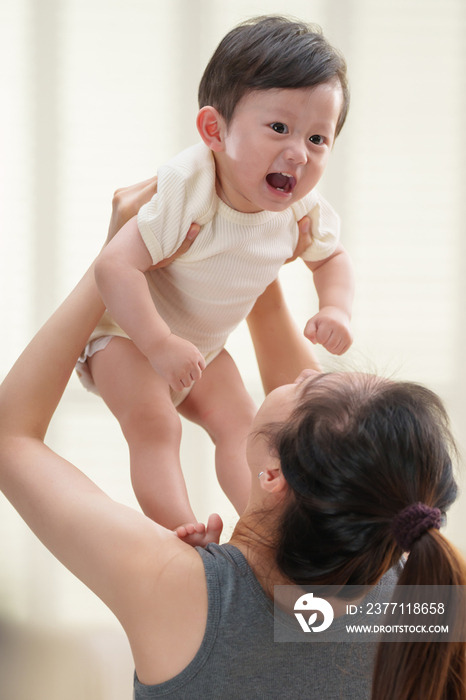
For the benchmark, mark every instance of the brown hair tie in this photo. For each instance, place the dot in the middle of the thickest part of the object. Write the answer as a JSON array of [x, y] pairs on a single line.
[[412, 522]]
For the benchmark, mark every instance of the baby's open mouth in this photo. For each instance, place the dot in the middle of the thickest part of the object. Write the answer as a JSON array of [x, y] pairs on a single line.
[[281, 181]]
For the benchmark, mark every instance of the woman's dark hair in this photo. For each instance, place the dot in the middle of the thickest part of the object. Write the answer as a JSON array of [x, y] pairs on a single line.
[[357, 451], [266, 53]]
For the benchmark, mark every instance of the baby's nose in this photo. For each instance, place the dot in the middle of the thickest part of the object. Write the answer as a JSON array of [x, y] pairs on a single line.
[[296, 152]]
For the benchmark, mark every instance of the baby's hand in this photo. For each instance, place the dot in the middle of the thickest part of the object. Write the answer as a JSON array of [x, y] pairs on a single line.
[[178, 361], [330, 328]]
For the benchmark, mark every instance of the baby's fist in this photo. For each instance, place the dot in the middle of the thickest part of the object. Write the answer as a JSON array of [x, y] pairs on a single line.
[[178, 361], [330, 328]]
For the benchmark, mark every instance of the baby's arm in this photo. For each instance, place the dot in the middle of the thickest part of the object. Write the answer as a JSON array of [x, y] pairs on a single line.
[[120, 278], [334, 282]]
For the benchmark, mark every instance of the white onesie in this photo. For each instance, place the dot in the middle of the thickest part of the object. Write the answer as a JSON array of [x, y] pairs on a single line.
[[208, 291]]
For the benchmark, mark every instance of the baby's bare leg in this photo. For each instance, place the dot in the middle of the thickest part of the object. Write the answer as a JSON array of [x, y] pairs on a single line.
[[140, 400], [220, 403]]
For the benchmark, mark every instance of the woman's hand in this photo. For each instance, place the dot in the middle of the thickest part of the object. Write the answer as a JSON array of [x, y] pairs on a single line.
[[126, 203], [304, 239], [128, 200]]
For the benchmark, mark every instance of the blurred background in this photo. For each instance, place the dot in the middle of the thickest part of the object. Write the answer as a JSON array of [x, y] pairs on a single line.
[[96, 94]]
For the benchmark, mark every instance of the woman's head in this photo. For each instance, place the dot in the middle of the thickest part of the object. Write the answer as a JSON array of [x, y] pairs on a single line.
[[368, 468], [355, 451]]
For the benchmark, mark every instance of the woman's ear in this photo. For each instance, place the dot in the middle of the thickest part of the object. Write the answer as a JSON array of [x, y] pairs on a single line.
[[212, 128], [273, 481]]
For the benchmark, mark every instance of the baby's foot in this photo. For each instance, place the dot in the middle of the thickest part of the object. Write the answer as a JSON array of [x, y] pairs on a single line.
[[198, 535], [191, 533]]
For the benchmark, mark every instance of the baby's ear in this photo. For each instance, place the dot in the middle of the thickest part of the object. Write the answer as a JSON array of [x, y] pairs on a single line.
[[211, 126]]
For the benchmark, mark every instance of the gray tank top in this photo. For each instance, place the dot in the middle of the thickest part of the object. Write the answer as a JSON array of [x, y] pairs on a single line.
[[238, 658]]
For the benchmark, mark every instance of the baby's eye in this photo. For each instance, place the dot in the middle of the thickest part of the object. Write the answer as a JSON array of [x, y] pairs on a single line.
[[279, 128], [318, 140]]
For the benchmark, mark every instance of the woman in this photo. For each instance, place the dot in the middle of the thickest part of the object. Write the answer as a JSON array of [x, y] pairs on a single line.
[[337, 463]]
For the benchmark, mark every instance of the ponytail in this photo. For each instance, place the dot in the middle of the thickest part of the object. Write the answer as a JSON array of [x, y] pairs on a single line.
[[368, 463], [427, 670]]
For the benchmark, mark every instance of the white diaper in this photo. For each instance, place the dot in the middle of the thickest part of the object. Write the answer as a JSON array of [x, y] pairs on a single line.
[[82, 368], [84, 373]]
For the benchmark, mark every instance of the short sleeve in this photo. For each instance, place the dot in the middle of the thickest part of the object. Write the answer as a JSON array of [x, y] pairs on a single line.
[[325, 227], [185, 194]]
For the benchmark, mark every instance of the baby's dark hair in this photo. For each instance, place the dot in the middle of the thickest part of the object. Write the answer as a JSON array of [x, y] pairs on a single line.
[[270, 52], [357, 451]]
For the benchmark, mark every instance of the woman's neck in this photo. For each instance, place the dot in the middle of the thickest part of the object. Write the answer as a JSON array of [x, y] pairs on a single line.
[[255, 537]]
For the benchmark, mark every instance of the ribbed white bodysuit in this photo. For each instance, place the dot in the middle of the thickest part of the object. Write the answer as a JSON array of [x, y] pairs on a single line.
[[208, 291]]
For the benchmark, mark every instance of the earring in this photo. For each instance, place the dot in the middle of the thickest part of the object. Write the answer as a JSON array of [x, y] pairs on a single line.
[[259, 475]]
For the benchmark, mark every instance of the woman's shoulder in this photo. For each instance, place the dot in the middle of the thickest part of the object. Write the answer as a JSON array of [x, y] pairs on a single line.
[[170, 605]]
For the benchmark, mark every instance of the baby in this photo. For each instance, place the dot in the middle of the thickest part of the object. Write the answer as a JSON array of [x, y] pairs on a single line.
[[272, 101]]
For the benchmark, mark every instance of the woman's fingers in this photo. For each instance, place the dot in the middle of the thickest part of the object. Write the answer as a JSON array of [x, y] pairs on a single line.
[[186, 245], [127, 201], [304, 240]]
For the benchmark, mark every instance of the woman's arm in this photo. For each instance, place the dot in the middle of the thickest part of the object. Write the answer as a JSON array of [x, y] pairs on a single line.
[[281, 349], [110, 547]]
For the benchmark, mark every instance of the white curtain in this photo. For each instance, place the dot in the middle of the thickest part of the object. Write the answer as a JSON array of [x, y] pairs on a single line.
[[95, 94]]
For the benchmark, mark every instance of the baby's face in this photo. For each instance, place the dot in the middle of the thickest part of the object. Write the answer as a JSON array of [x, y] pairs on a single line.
[[277, 146]]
